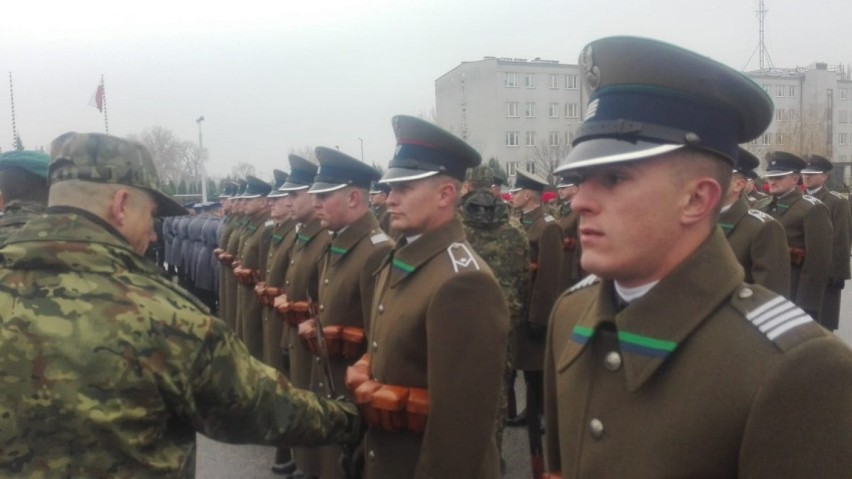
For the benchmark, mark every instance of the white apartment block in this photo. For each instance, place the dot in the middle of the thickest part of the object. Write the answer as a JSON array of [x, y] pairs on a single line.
[[524, 112], [521, 112]]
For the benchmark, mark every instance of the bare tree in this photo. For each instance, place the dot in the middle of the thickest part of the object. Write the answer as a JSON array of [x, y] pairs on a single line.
[[243, 169], [545, 159]]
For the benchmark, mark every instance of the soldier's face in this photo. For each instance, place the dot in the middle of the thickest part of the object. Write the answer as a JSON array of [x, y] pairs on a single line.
[[778, 185], [255, 205], [303, 205], [331, 208], [378, 199], [814, 180], [412, 205], [567, 193], [278, 208], [629, 215]]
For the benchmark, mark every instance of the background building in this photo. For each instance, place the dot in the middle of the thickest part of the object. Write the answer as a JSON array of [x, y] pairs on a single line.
[[523, 113]]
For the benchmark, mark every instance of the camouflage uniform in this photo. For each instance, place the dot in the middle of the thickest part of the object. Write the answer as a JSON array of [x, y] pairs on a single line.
[[504, 246], [109, 369], [17, 213]]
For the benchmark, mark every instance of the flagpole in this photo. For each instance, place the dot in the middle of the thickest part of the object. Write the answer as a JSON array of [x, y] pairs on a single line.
[[106, 118], [14, 123]]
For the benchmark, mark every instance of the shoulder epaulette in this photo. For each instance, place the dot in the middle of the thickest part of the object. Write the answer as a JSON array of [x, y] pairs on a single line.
[[379, 237], [837, 195], [812, 199], [549, 218], [776, 317], [462, 258], [589, 280], [760, 215]]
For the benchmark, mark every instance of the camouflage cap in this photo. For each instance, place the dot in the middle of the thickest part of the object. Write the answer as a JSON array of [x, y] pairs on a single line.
[[102, 158], [480, 177]]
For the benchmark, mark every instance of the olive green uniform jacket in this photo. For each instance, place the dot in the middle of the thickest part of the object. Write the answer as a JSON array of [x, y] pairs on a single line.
[[704, 376], [841, 221], [229, 312], [16, 215], [346, 287], [807, 222], [545, 237], [760, 245], [277, 260], [252, 255], [569, 221], [109, 369], [301, 283], [229, 225], [439, 322]]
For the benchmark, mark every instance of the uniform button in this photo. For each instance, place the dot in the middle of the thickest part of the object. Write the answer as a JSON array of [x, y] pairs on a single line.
[[375, 346], [292, 262], [372, 455], [287, 283], [381, 308], [746, 293], [322, 307], [596, 428], [612, 361], [318, 359], [319, 384], [326, 280]]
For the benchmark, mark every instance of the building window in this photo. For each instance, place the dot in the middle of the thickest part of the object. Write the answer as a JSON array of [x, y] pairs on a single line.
[[530, 111], [530, 138], [571, 82], [844, 138], [553, 138], [511, 80], [791, 91], [512, 168], [553, 111], [791, 115], [554, 81], [572, 110], [779, 138], [569, 137], [844, 93], [767, 139], [512, 138], [531, 167], [780, 91], [529, 80], [511, 109]]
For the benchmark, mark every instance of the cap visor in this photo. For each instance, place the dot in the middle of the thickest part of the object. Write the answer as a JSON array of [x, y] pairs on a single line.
[[277, 194], [293, 187], [811, 171], [166, 206], [322, 187], [395, 175], [603, 151], [771, 173]]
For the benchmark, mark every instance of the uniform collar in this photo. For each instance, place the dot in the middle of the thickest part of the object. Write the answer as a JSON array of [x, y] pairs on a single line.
[[343, 243], [729, 219], [534, 215], [407, 258], [651, 329], [308, 232]]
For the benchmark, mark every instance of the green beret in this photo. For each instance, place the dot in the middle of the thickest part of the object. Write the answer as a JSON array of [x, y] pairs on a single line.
[[34, 162]]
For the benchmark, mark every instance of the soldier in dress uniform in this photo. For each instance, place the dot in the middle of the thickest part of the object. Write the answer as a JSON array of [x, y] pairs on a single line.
[[228, 227], [757, 239], [271, 285], [249, 266], [378, 197], [807, 223], [23, 189], [341, 196], [663, 362], [206, 268], [752, 192], [814, 176], [568, 221], [228, 310], [437, 331], [545, 238], [109, 369], [301, 287]]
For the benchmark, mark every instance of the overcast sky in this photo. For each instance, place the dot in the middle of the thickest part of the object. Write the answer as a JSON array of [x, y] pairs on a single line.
[[326, 72]]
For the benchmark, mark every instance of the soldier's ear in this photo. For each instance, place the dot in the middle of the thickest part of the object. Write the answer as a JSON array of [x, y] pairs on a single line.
[[704, 194], [118, 207]]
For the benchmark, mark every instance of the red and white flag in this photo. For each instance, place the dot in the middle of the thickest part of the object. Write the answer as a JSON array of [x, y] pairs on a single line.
[[97, 99]]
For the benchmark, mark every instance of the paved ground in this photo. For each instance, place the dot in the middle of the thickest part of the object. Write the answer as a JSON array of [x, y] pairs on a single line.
[[222, 461]]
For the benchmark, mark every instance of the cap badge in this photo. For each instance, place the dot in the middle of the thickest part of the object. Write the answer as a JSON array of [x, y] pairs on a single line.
[[593, 73]]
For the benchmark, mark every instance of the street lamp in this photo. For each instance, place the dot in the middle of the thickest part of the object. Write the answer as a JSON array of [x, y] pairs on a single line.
[[201, 161], [362, 148]]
